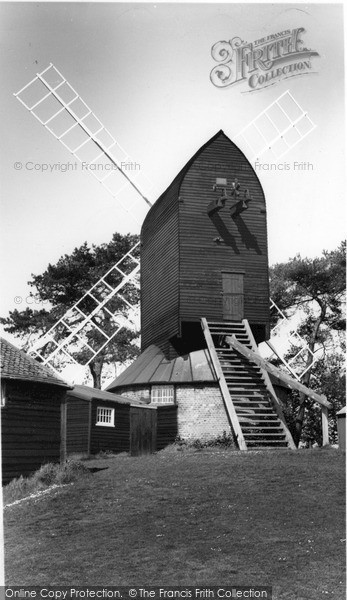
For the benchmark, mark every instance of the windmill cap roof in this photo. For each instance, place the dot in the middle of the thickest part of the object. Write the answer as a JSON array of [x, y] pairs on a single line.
[[17, 365]]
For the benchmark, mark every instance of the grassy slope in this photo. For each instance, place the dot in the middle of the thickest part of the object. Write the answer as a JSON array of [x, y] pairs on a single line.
[[186, 518]]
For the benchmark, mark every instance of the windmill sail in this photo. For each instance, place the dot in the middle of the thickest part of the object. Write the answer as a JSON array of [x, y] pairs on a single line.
[[60, 109], [90, 325], [297, 364], [276, 130]]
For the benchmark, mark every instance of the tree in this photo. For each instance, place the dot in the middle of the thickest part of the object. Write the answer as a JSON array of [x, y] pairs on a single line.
[[316, 287], [328, 378], [64, 284]]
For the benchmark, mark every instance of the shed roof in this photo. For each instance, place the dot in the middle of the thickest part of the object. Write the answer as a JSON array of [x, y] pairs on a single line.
[[16, 364], [152, 367], [85, 392]]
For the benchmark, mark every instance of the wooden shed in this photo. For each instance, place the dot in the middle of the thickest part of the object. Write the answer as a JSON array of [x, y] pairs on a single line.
[[95, 421], [31, 398]]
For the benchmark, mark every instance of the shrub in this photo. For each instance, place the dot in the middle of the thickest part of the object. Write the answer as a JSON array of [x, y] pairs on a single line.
[[48, 475], [222, 441]]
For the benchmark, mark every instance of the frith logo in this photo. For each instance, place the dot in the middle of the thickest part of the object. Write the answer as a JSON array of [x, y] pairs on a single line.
[[263, 62]]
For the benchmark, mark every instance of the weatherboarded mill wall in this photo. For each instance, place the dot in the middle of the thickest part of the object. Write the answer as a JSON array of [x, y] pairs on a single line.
[[193, 262]]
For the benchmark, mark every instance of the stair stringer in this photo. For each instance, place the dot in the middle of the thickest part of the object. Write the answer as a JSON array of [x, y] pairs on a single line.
[[229, 406], [274, 400]]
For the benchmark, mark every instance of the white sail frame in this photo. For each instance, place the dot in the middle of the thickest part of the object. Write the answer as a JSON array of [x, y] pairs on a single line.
[[115, 154]]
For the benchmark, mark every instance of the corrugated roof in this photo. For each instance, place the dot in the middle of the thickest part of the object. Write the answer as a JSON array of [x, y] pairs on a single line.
[[152, 367], [86, 392], [16, 364]]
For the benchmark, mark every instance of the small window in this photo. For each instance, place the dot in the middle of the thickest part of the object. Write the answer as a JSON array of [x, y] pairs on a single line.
[[162, 394], [105, 416], [3, 394]]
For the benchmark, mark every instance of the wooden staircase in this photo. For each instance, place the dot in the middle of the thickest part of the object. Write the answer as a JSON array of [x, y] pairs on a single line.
[[251, 402]]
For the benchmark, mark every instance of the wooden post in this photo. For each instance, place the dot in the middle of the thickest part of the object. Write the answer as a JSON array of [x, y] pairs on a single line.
[[291, 383], [63, 414], [325, 427]]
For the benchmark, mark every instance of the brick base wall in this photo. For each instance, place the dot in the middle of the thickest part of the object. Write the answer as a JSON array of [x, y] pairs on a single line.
[[201, 413]]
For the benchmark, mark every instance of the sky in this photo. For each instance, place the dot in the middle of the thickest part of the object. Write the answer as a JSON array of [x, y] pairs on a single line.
[[144, 69]]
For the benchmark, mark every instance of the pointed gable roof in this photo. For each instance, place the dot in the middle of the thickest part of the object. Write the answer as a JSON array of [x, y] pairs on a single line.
[[177, 181]]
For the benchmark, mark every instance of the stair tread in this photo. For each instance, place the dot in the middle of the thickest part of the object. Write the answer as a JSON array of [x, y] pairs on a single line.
[[283, 444], [266, 427], [250, 401], [256, 416], [245, 378], [221, 349], [255, 384], [263, 435], [255, 421], [262, 427], [252, 407], [242, 393], [267, 442], [230, 323]]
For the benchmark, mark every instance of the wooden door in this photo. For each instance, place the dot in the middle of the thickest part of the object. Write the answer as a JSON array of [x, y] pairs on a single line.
[[233, 300], [143, 430]]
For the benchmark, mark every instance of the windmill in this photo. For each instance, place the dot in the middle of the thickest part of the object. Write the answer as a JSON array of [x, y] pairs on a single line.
[[59, 108]]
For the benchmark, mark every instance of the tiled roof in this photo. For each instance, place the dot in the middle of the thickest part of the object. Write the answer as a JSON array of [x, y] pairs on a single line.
[[16, 364], [152, 367], [86, 392]]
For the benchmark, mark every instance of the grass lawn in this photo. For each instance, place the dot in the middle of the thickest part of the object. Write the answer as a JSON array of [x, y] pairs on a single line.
[[210, 517]]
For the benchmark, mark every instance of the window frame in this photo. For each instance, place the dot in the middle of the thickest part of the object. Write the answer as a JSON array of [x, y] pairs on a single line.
[[99, 423], [157, 399], [3, 394]]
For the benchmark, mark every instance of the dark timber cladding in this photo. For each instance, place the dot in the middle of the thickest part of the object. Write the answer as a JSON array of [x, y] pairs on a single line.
[[77, 426], [160, 268], [110, 438], [197, 264], [30, 427]]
